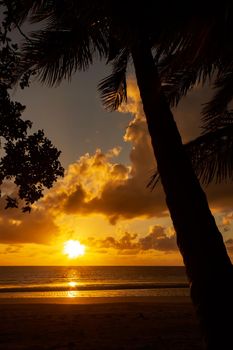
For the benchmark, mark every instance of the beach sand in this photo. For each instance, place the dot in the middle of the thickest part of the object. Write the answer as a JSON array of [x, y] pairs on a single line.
[[99, 323]]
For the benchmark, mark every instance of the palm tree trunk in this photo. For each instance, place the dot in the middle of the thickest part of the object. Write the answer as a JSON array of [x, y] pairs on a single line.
[[208, 266]]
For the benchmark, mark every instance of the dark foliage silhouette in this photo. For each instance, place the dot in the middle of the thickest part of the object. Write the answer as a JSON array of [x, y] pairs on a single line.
[[29, 160]]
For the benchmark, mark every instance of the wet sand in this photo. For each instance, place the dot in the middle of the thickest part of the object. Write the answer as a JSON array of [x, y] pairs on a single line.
[[99, 324]]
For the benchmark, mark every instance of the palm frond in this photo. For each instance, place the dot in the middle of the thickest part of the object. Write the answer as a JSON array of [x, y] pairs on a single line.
[[21, 10], [53, 55], [198, 52], [71, 35], [215, 121], [154, 179], [57, 53], [179, 74], [113, 89], [178, 83], [211, 155], [217, 107]]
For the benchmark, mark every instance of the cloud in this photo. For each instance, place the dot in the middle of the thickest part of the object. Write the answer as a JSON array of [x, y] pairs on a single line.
[[227, 219], [158, 238], [229, 245], [99, 184], [18, 227], [12, 249], [126, 241]]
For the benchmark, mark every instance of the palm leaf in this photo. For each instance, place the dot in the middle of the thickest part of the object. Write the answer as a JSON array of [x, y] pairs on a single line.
[[53, 58], [199, 52], [217, 107], [211, 155], [215, 121], [55, 53], [24, 9], [113, 89], [178, 83]]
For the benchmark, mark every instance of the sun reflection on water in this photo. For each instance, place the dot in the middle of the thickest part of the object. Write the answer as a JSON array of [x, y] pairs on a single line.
[[72, 294]]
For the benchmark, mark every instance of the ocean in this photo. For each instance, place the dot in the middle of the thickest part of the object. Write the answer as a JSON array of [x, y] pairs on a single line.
[[92, 281]]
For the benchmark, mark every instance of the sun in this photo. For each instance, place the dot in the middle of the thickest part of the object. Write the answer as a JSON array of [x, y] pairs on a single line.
[[73, 249]]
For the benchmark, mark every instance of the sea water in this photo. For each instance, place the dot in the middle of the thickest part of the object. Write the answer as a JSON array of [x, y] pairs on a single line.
[[92, 281]]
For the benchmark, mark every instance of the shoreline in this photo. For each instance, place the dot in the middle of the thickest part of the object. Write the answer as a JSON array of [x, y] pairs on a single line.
[[129, 323], [97, 300]]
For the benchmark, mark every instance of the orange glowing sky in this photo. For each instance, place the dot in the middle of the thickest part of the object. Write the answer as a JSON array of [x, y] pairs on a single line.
[[102, 201]]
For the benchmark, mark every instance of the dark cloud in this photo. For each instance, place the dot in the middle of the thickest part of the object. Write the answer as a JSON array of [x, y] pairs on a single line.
[[75, 201], [157, 239], [128, 243], [127, 201]]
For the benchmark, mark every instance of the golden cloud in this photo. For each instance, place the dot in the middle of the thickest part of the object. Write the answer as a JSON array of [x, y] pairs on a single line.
[[227, 219], [97, 184], [18, 227]]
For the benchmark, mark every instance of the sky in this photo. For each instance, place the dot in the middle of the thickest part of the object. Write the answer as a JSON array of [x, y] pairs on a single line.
[[102, 201]]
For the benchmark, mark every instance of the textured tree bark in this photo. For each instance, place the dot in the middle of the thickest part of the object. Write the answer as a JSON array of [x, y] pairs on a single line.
[[207, 263]]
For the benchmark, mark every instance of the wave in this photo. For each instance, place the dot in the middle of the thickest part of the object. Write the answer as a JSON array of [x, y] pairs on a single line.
[[93, 287]]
